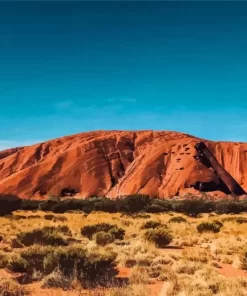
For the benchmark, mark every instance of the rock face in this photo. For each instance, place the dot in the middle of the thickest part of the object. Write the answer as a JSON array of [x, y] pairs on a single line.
[[118, 163]]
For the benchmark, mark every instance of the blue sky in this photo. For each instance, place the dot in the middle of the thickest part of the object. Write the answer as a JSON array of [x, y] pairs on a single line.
[[72, 67]]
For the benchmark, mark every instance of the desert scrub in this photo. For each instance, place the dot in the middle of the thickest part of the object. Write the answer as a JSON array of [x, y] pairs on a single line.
[[244, 260], [143, 259], [17, 264], [89, 230], [56, 280], [30, 257], [55, 218], [161, 236], [139, 275], [208, 227], [177, 219], [9, 287], [202, 256], [103, 238], [156, 270], [218, 223], [4, 259], [241, 220], [60, 228], [43, 236], [163, 260], [188, 267], [91, 267], [151, 224], [130, 262]]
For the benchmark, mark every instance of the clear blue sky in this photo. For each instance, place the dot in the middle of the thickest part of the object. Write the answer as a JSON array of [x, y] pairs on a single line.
[[74, 67]]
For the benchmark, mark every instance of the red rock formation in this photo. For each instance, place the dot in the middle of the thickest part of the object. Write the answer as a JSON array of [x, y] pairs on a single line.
[[118, 163]]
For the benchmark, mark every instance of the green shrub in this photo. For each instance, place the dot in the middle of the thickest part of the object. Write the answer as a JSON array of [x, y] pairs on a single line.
[[160, 236], [105, 205], [159, 206], [127, 204], [177, 219], [90, 267], [228, 207], [103, 238], [151, 224], [133, 203], [47, 205], [33, 258], [30, 205], [193, 207], [90, 230], [44, 236], [208, 227]]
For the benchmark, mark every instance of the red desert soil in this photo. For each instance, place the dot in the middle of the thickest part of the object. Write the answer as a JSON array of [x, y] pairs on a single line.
[[114, 163], [229, 271], [37, 290]]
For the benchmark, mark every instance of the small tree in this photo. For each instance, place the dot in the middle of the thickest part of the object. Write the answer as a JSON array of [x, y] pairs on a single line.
[[193, 207]]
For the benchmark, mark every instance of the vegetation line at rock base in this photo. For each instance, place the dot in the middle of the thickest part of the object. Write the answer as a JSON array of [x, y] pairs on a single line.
[[128, 204]]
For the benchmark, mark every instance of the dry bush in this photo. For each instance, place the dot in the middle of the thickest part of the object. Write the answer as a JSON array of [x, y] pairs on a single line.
[[187, 267], [4, 259], [209, 227], [178, 219], [228, 245], [9, 287], [103, 238], [157, 270], [56, 280], [160, 236], [139, 275], [151, 224], [244, 260], [197, 255], [90, 230], [91, 266], [43, 236], [163, 260]]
